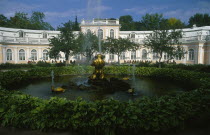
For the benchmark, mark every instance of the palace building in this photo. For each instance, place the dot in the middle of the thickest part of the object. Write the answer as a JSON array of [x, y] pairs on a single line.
[[23, 45]]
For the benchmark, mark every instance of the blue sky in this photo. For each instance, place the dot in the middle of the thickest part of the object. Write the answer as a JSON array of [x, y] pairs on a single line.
[[60, 11]]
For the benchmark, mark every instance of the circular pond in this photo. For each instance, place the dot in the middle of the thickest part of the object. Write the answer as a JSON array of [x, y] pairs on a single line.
[[143, 87]]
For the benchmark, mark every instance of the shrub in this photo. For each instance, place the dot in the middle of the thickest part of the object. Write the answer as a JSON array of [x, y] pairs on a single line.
[[15, 66], [43, 64], [153, 114]]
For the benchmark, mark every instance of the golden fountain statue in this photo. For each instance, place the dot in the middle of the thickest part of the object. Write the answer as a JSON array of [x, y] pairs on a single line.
[[98, 64]]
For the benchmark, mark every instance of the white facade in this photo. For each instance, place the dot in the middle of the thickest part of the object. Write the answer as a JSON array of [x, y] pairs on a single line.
[[23, 45]]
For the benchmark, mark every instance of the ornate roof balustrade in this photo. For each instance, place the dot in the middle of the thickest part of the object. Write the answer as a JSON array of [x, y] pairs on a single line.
[[100, 22]]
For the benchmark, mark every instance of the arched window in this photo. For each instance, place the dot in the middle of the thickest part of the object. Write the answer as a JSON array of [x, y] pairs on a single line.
[[34, 54], [144, 54], [45, 55], [133, 55], [122, 56], [132, 35], [44, 35], [191, 54], [111, 56], [155, 56], [9, 54], [21, 34], [78, 57], [22, 54], [88, 31], [111, 33], [100, 34]]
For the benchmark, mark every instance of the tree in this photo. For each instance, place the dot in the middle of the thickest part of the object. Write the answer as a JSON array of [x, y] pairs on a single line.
[[38, 23], [153, 22], [199, 20], [66, 41], [3, 21], [20, 20], [88, 44], [76, 25], [118, 46], [127, 23], [55, 50], [174, 23], [163, 41]]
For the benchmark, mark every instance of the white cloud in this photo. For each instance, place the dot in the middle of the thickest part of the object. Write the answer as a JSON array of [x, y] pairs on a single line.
[[9, 8]]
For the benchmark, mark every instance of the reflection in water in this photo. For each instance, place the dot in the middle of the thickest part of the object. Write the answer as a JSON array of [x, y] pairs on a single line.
[[142, 86]]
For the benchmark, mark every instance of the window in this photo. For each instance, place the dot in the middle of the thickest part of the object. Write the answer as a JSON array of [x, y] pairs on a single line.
[[100, 34], [111, 33], [132, 35], [191, 54], [22, 54], [178, 56], [133, 55], [9, 54], [88, 31], [33, 54], [44, 35], [111, 56], [122, 56], [144, 54], [21, 34], [78, 57], [155, 56], [45, 55]]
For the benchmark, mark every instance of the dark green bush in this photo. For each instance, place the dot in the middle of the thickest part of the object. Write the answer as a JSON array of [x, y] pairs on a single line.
[[154, 114], [15, 76], [43, 64], [15, 66], [60, 64]]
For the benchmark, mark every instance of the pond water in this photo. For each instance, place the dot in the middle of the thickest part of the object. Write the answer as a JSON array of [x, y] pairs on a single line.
[[143, 87]]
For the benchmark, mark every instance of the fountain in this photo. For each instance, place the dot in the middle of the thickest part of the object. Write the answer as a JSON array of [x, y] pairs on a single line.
[[57, 89]]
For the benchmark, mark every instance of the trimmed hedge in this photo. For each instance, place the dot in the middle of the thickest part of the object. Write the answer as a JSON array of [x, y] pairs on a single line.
[[14, 77], [154, 114]]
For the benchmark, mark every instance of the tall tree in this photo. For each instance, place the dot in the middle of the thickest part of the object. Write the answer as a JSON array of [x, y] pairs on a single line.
[[174, 23], [38, 23], [127, 23], [153, 22], [3, 21], [88, 44], [55, 48], [118, 46], [66, 41], [199, 20], [163, 41], [20, 20], [76, 25]]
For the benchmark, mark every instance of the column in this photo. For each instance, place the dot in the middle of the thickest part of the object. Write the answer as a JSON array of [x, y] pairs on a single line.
[[1, 54], [200, 54], [4, 54], [15, 55], [39, 54]]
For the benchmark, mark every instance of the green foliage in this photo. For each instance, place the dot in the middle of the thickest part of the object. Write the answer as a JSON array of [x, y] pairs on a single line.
[[118, 46], [15, 66], [199, 20], [43, 64], [65, 42], [21, 20], [127, 23], [87, 44], [153, 114], [153, 22], [163, 41]]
